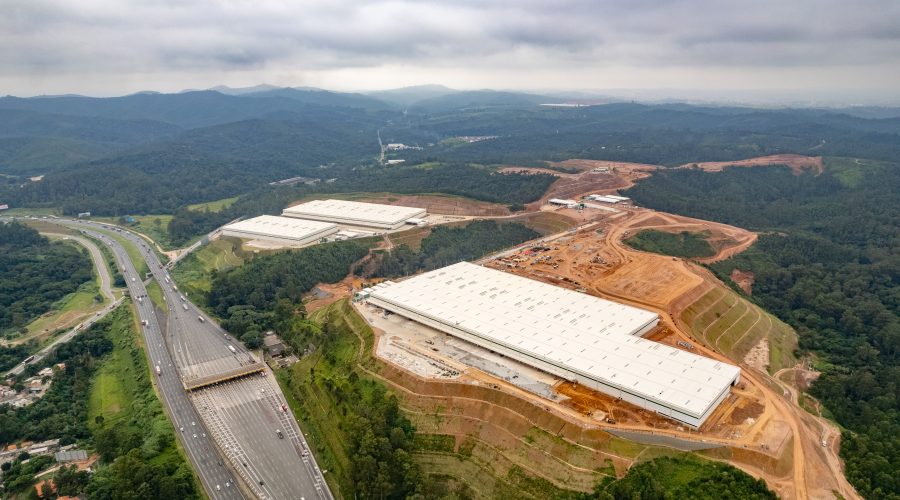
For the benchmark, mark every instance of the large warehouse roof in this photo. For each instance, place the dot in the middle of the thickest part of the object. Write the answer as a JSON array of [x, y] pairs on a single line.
[[581, 334], [282, 228], [354, 212]]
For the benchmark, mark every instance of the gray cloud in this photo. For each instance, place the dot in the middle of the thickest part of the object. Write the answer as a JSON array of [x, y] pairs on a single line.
[[113, 46]]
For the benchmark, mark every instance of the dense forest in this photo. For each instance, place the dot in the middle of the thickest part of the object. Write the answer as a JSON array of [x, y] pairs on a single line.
[[138, 452], [154, 154], [245, 297], [684, 476], [10, 356], [62, 412], [827, 264], [683, 244], [449, 245], [35, 273]]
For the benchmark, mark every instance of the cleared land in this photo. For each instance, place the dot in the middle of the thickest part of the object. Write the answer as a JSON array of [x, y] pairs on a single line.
[[758, 429], [797, 163], [433, 203]]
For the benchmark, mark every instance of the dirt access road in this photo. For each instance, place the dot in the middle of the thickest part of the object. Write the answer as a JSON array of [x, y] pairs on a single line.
[[781, 442], [604, 266]]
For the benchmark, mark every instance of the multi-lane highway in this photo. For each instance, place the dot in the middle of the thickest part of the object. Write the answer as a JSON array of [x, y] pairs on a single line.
[[217, 478], [234, 404]]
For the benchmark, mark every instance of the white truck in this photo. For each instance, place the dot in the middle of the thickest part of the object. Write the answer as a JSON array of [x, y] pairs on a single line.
[[158, 370]]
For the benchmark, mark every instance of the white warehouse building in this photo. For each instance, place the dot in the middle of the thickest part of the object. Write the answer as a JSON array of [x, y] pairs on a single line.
[[578, 337], [280, 229], [355, 213]]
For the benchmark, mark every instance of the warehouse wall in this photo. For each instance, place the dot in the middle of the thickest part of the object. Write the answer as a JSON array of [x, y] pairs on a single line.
[[694, 421]]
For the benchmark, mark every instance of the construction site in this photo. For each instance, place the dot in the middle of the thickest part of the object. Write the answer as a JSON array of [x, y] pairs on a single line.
[[759, 427]]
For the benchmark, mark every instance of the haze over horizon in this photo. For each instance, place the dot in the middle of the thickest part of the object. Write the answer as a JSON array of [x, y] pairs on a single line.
[[805, 51]]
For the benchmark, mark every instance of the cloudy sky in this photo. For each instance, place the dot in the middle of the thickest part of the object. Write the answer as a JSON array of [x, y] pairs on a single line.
[[111, 47]]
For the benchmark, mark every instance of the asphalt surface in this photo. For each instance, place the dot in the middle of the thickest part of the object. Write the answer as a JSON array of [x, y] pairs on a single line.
[[244, 414], [218, 480]]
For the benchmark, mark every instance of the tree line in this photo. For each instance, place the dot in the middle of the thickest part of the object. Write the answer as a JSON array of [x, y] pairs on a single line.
[[449, 245], [35, 273]]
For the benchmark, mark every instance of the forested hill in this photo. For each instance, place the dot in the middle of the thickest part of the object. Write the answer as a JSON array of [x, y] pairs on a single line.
[[35, 273], [158, 152], [827, 264]]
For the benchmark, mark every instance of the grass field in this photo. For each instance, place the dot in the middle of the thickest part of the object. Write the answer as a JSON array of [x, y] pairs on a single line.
[[119, 380], [213, 206], [122, 396], [133, 253], [193, 273], [156, 295]]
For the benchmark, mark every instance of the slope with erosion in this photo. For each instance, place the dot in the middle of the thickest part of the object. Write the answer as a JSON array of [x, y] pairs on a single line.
[[757, 430], [760, 432]]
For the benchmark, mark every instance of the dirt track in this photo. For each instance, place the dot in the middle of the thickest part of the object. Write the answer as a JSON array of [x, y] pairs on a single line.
[[607, 267], [764, 430]]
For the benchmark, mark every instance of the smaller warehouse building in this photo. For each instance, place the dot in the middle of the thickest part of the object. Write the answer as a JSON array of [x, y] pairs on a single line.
[[355, 213], [280, 229], [608, 198], [562, 202]]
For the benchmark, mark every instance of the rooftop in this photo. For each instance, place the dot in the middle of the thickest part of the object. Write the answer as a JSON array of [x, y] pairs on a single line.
[[355, 210], [574, 331], [282, 227]]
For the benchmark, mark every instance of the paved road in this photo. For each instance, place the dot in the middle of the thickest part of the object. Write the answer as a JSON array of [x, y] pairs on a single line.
[[244, 415], [218, 480], [99, 264], [105, 289]]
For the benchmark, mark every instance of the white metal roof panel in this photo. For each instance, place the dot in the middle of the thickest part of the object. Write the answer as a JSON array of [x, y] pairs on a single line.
[[281, 227], [355, 210], [575, 331], [606, 199]]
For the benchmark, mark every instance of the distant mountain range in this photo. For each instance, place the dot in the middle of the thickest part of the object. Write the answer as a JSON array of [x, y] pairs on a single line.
[[198, 145]]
